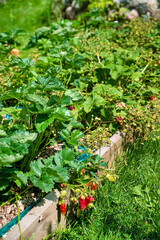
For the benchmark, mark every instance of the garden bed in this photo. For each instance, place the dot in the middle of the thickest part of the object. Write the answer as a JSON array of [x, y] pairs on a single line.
[[78, 85], [43, 218]]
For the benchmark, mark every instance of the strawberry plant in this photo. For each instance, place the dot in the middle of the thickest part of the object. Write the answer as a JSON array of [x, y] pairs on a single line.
[[76, 84]]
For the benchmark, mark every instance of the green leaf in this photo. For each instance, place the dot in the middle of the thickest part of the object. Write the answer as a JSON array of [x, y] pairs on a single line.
[[67, 155], [36, 167], [99, 101], [36, 99], [103, 164], [137, 190], [88, 104], [62, 114], [65, 134], [4, 184], [114, 91], [2, 133], [5, 159], [75, 136], [43, 121], [21, 176], [45, 184], [55, 84], [63, 173], [9, 110], [65, 100], [74, 165], [52, 173], [136, 75], [23, 137], [154, 90], [43, 80], [74, 95], [58, 159], [11, 95], [77, 124]]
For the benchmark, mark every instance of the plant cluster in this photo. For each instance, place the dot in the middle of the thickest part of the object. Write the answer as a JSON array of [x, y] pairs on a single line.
[[129, 209], [78, 81], [81, 192]]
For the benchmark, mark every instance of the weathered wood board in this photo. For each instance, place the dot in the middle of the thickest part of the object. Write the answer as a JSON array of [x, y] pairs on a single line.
[[45, 217]]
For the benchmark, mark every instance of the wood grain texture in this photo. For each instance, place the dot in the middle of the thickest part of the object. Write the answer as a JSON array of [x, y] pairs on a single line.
[[40, 221], [45, 217]]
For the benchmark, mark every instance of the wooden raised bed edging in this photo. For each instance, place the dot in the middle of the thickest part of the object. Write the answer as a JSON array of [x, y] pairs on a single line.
[[45, 217]]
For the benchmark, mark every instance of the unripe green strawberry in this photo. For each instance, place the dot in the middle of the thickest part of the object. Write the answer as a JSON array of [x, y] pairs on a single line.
[[90, 205], [92, 192], [77, 190], [73, 199], [63, 193]]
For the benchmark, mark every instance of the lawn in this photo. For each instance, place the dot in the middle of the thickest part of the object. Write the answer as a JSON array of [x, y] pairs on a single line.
[[129, 209]]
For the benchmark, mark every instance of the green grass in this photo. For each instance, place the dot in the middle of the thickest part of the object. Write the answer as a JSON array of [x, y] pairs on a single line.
[[26, 14], [129, 209]]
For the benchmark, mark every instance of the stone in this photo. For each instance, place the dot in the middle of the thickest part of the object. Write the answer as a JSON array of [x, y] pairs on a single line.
[[133, 14], [112, 14], [143, 6], [117, 2], [70, 13], [156, 15]]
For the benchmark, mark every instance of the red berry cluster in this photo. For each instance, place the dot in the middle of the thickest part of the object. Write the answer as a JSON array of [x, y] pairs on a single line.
[[119, 119], [83, 196], [63, 208], [85, 201], [93, 186], [151, 98]]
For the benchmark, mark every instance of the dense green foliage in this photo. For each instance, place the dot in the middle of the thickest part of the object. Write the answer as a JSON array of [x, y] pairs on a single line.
[[106, 73], [130, 209]]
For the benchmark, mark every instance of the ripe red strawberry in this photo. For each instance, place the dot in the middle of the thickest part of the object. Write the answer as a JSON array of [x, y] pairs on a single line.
[[72, 108], [63, 208], [151, 98], [82, 203], [87, 184], [118, 119], [15, 52], [62, 185], [93, 186], [87, 201], [82, 171]]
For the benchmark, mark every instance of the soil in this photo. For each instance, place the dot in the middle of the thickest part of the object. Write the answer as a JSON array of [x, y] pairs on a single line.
[[10, 210]]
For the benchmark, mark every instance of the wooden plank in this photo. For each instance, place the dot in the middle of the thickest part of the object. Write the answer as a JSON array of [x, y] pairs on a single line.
[[41, 220], [44, 218], [110, 151]]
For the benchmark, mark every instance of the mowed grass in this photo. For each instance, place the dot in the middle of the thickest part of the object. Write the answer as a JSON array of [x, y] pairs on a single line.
[[25, 14], [129, 209]]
